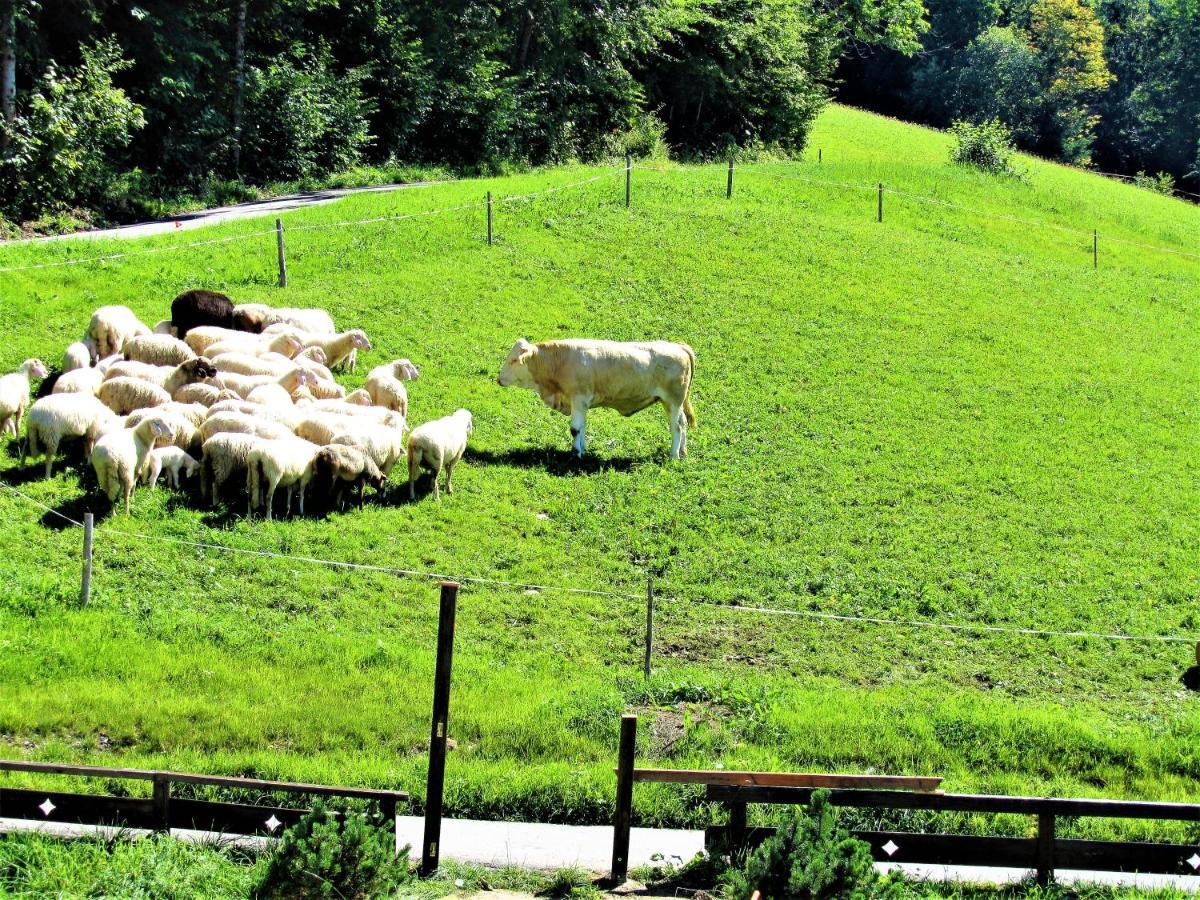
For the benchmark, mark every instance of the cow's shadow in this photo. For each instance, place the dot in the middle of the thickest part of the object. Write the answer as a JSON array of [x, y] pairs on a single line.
[[1191, 678], [554, 461]]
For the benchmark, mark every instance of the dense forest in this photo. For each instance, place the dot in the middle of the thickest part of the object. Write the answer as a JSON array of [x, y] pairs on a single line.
[[106, 103]]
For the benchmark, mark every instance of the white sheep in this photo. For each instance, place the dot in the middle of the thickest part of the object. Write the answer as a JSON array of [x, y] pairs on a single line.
[[338, 347], [436, 445], [77, 356], [60, 417], [339, 466], [204, 394], [112, 326], [385, 385], [321, 427], [14, 394], [225, 455], [272, 395], [123, 395], [242, 385], [239, 423], [165, 326], [186, 431], [359, 397], [105, 363], [120, 456], [384, 444], [169, 378], [284, 415], [79, 381], [158, 349], [314, 320], [287, 345], [320, 389], [175, 462], [345, 408], [279, 463], [310, 359]]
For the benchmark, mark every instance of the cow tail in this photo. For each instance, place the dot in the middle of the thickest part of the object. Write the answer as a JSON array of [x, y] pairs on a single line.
[[687, 390]]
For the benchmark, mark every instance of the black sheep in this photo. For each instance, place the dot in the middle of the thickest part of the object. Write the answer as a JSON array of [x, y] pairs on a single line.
[[191, 309]]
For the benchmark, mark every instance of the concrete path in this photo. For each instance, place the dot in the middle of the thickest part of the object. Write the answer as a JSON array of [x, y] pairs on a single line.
[[253, 208], [549, 847]]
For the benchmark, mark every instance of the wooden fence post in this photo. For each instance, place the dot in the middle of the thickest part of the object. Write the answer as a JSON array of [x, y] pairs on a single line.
[[282, 258], [881, 201], [162, 802], [820, 153], [1095, 248], [623, 816], [729, 183], [737, 827], [85, 591], [628, 177], [390, 814], [1045, 848], [649, 623], [489, 207], [435, 782]]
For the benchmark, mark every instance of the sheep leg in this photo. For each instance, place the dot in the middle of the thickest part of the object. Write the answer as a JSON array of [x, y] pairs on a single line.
[[301, 500], [272, 483], [51, 452], [414, 470], [449, 475], [436, 494]]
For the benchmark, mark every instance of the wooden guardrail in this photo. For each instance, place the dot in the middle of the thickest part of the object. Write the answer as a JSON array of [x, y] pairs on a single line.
[[1041, 854], [162, 811]]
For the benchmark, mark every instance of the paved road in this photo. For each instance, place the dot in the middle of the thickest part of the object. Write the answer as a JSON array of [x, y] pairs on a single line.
[[272, 207]]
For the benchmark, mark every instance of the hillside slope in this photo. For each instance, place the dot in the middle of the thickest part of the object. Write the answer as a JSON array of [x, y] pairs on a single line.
[[948, 417]]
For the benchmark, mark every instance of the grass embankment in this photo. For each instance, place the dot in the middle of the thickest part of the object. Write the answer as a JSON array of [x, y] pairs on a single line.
[[943, 417]]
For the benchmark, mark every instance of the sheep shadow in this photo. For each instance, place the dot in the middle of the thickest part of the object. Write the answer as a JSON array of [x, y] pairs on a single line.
[[1191, 678], [67, 514], [554, 461]]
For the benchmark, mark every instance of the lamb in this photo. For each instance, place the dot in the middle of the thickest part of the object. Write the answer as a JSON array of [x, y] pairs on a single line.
[[225, 455], [123, 395], [79, 381], [287, 463], [239, 423], [120, 456], [340, 466], [385, 385], [158, 350], [186, 432], [205, 394], [59, 417], [436, 445], [242, 385], [384, 444], [338, 347], [175, 462], [112, 326], [196, 308], [77, 356], [14, 394]]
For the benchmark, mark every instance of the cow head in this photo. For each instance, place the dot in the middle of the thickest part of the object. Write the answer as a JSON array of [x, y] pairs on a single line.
[[515, 369]]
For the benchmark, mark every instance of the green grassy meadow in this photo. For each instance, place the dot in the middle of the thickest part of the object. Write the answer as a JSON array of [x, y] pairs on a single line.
[[946, 417]]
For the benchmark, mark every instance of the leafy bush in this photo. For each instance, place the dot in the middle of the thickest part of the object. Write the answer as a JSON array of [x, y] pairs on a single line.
[[1162, 183], [810, 856], [61, 146], [987, 146], [303, 118], [330, 855], [645, 138]]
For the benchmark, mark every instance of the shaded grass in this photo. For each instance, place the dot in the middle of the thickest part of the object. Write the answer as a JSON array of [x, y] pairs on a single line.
[[941, 417]]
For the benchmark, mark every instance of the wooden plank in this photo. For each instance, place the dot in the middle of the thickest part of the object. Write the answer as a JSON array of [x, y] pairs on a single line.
[[439, 733], [1045, 848], [78, 809], [231, 818], [1117, 809], [623, 810], [1125, 856], [789, 779], [258, 784]]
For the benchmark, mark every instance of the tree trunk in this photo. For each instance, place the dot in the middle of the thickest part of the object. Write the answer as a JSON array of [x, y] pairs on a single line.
[[8, 63], [523, 42], [239, 82]]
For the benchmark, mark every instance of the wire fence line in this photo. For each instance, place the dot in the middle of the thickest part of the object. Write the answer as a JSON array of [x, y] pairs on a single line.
[[678, 599]]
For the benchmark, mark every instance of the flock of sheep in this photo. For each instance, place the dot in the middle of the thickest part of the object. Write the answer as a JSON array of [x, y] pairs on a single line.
[[228, 390]]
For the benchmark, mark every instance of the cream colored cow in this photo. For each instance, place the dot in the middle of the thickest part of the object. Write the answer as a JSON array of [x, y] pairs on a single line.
[[573, 376]]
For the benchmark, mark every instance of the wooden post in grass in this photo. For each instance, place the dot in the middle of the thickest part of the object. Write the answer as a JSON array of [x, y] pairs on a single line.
[[390, 814], [489, 207], [162, 803], [729, 183], [628, 177], [820, 153], [1045, 848], [435, 782], [282, 258], [623, 815], [85, 591], [1095, 248], [649, 622], [881, 201]]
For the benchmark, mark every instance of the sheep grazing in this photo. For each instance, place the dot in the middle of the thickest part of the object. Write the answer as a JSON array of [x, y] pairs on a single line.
[[248, 364], [175, 462], [225, 455], [112, 326], [250, 317], [60, 417], [204, 394], [186, 431], [279, 463], [169, 378], [314, 321], [120, 456], [123, 394], [158, 350], [286, 345], [78, 381], [436, 445], [14, 394], [338, 347], [384, 444], [239, 423], [196, 308], [77, 356], [385, 385], [339, 467], [242, 385]]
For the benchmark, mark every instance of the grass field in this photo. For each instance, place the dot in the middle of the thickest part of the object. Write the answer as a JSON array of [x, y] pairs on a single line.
[[946, 417]]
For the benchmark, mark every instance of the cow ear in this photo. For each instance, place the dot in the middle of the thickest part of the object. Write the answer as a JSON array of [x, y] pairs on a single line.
[[524, 350]]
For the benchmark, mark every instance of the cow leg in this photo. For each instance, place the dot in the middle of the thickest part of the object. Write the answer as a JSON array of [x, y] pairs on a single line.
[[579, 425], [678, 422]]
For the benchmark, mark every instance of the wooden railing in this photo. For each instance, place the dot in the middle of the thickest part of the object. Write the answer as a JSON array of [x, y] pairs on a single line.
[[1041, 854]]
